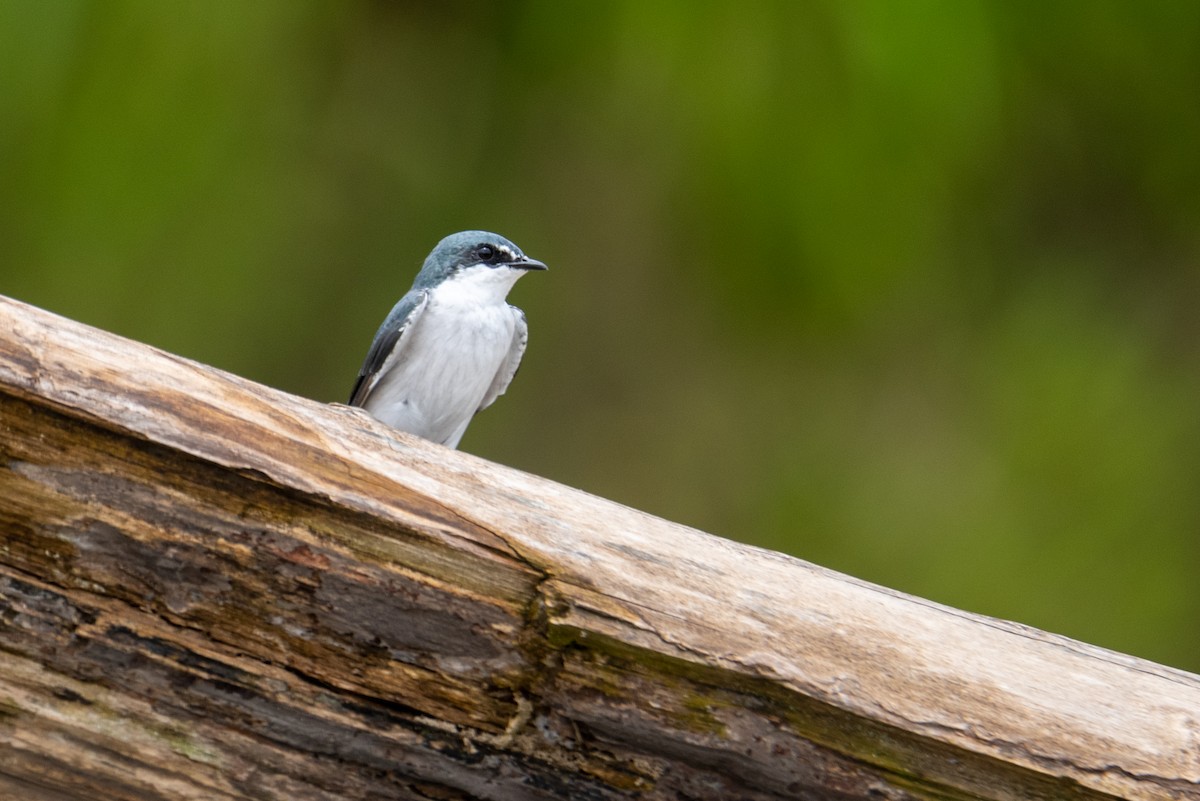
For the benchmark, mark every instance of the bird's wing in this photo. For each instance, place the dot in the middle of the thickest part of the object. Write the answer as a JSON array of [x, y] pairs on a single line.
[[508, 369], [389, 342]]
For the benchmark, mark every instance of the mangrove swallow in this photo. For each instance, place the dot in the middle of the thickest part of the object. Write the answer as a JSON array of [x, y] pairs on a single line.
[[452, 344]]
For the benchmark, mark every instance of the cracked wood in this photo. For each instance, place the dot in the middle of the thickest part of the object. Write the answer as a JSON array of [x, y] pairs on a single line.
[[210, 589]]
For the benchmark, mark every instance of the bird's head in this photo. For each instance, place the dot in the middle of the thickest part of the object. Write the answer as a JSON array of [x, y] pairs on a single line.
[[487, 255]]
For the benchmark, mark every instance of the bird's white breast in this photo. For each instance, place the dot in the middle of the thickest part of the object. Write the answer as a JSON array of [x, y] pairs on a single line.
[[458, 345]]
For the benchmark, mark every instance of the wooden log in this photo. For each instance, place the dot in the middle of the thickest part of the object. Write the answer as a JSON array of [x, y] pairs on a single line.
[[210, 589]]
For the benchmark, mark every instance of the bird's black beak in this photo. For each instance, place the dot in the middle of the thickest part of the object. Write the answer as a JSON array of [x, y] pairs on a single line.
[[526, 263]]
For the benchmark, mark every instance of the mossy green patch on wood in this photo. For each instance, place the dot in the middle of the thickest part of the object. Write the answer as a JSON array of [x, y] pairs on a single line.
[[184, 744], [10, 709]]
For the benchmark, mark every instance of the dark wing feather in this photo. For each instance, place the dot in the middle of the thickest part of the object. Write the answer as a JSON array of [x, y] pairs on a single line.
[[389, 340]]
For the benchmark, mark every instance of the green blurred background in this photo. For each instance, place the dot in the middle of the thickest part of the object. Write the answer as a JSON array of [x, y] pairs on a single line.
[[905, 289]]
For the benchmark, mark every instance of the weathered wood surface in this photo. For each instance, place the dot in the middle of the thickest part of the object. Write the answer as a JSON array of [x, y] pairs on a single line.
[[213, 590]]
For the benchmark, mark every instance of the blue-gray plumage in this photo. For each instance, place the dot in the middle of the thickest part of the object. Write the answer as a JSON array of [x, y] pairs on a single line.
[[452, 344]]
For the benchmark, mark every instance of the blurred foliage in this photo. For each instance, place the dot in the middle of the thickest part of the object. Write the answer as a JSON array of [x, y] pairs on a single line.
[[905, 289]]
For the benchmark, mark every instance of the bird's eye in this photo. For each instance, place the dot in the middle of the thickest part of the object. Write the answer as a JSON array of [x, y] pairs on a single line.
[[485, 252]]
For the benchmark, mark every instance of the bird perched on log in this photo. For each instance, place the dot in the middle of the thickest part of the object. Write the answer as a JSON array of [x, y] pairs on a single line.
[[452, 344]]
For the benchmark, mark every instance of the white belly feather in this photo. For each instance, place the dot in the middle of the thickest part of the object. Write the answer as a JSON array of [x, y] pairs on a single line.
[[459, 345]]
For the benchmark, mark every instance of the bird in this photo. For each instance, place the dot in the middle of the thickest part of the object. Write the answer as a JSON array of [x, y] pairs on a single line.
[[452, 344]]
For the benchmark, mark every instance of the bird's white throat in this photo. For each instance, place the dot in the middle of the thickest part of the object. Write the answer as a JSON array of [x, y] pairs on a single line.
[[477, 286]]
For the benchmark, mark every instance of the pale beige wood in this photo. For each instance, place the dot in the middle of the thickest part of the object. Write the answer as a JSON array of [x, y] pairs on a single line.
[[210, 589]]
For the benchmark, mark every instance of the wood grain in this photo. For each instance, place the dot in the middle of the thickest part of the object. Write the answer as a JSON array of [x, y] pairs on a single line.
[[210, 589]]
